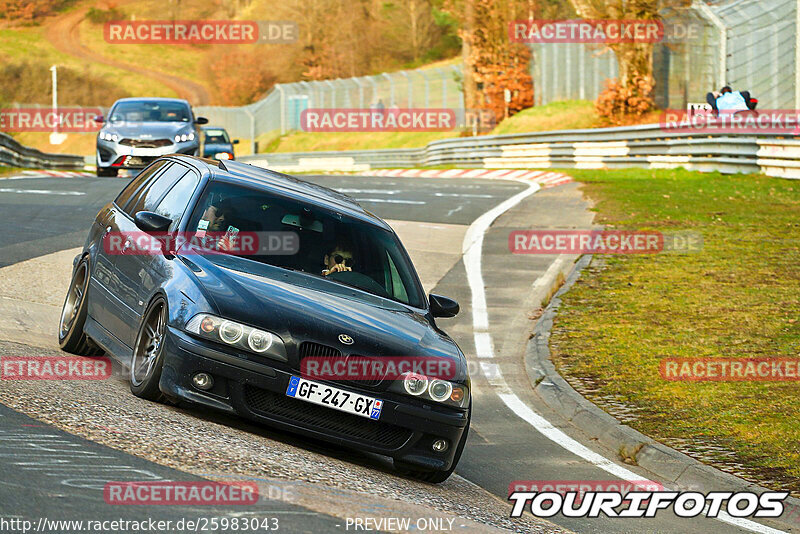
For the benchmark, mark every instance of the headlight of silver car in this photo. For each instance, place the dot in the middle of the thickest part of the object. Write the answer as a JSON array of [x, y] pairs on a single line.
[[237, 335], [435, 389]]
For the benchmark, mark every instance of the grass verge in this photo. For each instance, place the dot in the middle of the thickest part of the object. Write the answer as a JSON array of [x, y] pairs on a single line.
[[737, 298]]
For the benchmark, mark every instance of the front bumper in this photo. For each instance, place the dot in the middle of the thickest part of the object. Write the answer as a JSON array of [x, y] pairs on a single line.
[[111, 154], [255, 388]]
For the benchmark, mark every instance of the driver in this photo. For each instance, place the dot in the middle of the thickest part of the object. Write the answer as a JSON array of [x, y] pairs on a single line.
[[338, 260], [217, 219]]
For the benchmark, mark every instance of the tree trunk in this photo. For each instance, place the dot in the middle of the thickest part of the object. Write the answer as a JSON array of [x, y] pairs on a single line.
[[468, 34]]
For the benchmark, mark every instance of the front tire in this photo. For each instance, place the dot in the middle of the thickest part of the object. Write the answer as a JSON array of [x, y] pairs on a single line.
[[148, 352], [71, 337]]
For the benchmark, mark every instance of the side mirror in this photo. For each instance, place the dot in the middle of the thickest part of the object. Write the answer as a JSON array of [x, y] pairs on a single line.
[[443, 306], [150, 222], [201, 120], [235, 141], [99, 119]]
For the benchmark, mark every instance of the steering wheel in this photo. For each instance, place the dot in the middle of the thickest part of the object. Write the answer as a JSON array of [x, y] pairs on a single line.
[[360, 281]]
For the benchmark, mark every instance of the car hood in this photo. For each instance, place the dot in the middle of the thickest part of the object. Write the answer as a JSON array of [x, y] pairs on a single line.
[[300, 307], [154, 130]]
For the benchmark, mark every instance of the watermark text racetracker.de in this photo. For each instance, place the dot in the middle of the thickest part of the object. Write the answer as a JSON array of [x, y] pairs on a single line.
[[200, 32], [377, 120], [640, 504], [54, 368], [355, 368], [602, 242], [604, 31], [764, 121], [41, 119], [181, 493], [231, 241], [730, 369]]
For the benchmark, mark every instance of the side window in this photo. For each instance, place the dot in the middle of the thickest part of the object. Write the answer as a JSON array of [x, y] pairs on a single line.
[[174, 203], [136, 183], [397, 289], [153, 192]]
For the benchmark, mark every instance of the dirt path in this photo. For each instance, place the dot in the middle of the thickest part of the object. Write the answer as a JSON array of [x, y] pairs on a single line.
[[62, 32]]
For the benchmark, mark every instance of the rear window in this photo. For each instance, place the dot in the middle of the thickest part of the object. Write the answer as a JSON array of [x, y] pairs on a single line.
[[216, 136]]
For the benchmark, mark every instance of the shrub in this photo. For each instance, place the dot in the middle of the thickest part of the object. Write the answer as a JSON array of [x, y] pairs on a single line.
[[622, 104]]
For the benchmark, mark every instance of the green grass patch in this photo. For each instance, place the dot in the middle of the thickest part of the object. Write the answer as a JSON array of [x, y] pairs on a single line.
[[308, 142], [737, 298], [22, 45]]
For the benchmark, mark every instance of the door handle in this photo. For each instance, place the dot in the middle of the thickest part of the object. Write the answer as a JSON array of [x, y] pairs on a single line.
[[108, 229], [128, 244]]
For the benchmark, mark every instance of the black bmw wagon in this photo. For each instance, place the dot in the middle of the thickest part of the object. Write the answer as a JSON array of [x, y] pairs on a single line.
[[260, 294]]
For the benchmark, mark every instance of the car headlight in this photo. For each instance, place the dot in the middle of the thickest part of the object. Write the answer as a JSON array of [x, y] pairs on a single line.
[[184, 137], [440, 391], [177, 138], [237, 335], [191, 136], [415, 384], [114, 137]]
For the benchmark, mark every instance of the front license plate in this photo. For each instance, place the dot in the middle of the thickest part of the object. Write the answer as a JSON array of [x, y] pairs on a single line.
[[338, 399]]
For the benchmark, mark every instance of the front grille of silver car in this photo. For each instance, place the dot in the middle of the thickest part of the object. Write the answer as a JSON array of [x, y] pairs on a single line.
[[145, 143]]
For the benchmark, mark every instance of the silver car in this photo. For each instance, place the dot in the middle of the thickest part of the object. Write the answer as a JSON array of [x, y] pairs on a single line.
[[139, 130]]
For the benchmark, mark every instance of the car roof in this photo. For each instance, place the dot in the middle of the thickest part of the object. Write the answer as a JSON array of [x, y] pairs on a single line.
[[273, 181], [151, 99]]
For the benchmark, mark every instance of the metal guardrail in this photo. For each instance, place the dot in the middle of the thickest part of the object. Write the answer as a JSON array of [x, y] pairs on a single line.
[[648, 146], [14, 154]]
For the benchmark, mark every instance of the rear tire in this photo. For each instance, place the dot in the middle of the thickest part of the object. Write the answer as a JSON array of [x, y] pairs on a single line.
[[71, 337], [436, 477], [148, 352]]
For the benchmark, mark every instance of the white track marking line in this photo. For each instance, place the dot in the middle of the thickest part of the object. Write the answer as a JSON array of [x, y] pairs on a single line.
[[472, 250], [41, 192], [371, 191], [391, 201]]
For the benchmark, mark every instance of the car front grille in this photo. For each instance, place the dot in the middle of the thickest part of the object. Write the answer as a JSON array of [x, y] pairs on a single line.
[[307, 348], [324, 419], [317, 351], [145, 143]]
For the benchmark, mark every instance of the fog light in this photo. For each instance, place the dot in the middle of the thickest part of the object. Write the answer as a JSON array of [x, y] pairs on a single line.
[[440, 445], [203, 381]]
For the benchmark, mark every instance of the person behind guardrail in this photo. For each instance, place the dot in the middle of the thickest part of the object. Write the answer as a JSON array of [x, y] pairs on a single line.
[[730, 101]]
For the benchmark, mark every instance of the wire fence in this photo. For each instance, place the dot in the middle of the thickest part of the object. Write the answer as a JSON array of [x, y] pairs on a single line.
[[762, 49], [280, 111]]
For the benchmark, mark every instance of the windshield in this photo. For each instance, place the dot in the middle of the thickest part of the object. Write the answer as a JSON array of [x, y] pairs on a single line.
[[332, 246], [217, 136], [145, 111]]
